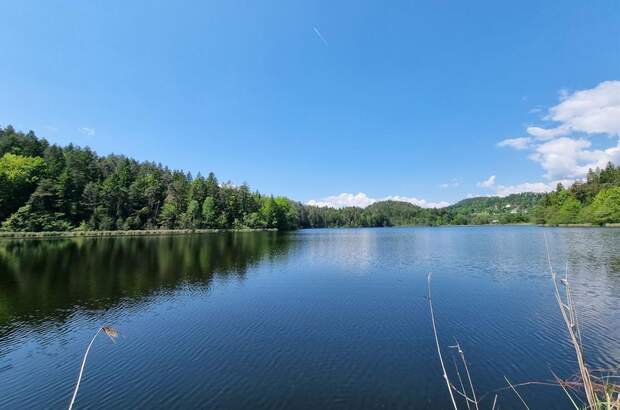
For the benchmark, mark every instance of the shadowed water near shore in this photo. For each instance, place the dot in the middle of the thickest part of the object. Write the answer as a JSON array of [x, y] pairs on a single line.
[[309, 319], [50, 279]]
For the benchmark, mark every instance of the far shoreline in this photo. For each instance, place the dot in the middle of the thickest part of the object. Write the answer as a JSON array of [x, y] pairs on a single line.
[[163, 232], [120, 233]]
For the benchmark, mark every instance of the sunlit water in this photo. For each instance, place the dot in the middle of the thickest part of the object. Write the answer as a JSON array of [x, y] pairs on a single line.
[[312, 319]]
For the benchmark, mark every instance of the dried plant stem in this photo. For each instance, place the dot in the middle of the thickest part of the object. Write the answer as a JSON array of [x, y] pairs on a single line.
[[561, 383], [77, 385], [517, 393], [458, 374], [471, 384], [443, 367], [569, 315], [108, 331]]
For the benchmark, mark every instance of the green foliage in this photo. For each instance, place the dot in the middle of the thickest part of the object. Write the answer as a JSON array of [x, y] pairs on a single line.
[[18, 179], [49, 188], [285, 214], [209, 213], [28, 219], [515, 208], [606, 207], [169, 215], [560, 207], [45, 187], [595, 200], [192, 218], [18, 143], [474, 211], [568, 211]]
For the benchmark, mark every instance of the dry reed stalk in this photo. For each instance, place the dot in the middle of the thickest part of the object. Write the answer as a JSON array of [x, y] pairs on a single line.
[[443, 367], [112, 334], [517, 393], [588, 382], [458, 374], [471, 384], [570, 319], [561, 384]]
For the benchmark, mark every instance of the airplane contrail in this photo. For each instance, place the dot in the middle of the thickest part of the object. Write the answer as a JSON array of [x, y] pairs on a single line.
[[318, 33]]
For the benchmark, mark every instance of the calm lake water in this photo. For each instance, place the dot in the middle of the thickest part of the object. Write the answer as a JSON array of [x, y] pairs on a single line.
[[316, 319]]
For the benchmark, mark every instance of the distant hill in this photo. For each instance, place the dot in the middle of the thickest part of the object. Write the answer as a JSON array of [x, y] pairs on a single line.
[[517, 208], [513, 208], [522, 200], [399, 213]]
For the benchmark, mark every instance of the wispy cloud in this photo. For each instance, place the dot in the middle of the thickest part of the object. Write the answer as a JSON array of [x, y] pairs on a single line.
[[516, 143], [548, 133], [487, 183], [362, 200], [320, 36], [452, 184], [87, 131]]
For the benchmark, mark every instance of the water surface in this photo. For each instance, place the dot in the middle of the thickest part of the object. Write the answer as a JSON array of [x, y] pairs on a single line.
[[333, 319]]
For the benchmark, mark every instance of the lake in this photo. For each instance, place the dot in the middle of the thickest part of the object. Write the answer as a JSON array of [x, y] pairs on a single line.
[[313, 319]]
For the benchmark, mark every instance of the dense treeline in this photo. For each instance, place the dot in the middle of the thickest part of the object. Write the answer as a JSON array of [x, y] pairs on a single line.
[[45, 187], [594, 201], [515, 208]]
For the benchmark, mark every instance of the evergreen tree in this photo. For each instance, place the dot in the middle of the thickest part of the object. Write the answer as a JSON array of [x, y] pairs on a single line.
[[209, 213]]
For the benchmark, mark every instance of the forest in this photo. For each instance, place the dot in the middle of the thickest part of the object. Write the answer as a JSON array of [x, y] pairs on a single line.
[[45, 187], [593, 201]]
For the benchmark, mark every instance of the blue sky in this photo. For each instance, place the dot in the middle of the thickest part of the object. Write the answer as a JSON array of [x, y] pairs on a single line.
[[313, 99]]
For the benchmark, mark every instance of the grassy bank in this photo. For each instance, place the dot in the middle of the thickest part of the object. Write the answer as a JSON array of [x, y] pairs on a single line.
[[585, 225], [148, 232], [145, 232]]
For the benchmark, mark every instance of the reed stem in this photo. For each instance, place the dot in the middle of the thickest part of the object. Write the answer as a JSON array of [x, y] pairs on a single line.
[[443, 367], [77, 385]]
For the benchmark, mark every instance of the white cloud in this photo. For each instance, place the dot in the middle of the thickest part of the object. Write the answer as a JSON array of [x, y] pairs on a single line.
[[487, 183], [568, 158], [592, 111], [520, 143], [505, 190], [87, 131], [342, 200], [419, 202], [547, 133], [564, 148], [362, 200]]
